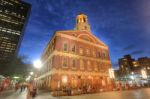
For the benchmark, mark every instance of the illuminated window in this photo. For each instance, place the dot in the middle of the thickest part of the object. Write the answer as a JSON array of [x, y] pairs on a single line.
[[65, 47], [89, 65], [87, 51], [96, 67], [81, 50]]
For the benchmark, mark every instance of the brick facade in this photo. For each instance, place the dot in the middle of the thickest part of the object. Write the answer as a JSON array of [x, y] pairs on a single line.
[[75, 59]]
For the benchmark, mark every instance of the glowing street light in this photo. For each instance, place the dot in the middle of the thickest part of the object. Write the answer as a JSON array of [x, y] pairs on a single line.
[[37, 64], [31, 73], [111, 73], [15, 77], [144, 75]]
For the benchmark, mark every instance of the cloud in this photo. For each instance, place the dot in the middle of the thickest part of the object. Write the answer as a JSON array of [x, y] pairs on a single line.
[[129, 47], [115, 23], [137, 52]]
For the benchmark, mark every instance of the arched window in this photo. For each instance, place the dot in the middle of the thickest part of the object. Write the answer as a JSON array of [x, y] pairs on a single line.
[[84, 19], [80, 20]]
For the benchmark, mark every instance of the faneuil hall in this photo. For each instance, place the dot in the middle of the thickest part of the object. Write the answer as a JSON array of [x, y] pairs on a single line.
[[75, 59]]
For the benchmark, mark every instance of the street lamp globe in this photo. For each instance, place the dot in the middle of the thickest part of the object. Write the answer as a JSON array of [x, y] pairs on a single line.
[[37, 64], [31, 73]]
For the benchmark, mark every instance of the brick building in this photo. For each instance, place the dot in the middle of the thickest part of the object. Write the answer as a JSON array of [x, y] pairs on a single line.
[[75, 59]]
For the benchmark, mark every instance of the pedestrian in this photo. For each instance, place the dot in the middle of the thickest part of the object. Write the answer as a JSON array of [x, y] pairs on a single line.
[[16, 86], [31, 90]]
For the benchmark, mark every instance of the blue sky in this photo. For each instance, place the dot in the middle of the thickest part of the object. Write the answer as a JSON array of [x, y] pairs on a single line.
[[124, 25]]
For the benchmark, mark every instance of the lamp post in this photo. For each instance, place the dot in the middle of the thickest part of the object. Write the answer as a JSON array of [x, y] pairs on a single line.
[[37, 65]]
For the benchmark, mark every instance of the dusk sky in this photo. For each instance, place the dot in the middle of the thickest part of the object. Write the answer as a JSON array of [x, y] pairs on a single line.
[[124, 25]]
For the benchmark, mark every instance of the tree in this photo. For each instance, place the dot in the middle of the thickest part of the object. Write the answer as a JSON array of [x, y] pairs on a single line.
[[17, 67]]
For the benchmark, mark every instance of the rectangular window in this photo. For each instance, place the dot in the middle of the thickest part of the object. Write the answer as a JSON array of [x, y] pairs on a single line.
[[81, 50], [87, 51], [81, 64], [65, 47], [65, 62], [73, 49], [94, 54], [89, 65], [96, 67], [73, 63], [99, 54]]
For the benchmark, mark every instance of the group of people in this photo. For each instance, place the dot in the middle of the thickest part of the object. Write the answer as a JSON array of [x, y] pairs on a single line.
[[22, 87], [31, 89]]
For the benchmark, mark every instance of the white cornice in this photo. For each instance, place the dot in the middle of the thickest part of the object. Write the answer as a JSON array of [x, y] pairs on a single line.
[[80, 40], [71, 72]]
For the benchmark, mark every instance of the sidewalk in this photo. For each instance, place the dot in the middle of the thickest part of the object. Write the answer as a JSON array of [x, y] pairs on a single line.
[[12, 94], [6, 92]]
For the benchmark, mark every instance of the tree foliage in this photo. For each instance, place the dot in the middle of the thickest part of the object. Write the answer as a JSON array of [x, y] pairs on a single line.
[[16, 67]]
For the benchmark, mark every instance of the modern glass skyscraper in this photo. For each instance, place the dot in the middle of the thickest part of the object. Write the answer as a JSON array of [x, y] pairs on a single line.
[[13, 18]]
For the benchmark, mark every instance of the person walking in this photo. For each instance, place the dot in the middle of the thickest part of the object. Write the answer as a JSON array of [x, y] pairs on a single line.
[[31, 90]]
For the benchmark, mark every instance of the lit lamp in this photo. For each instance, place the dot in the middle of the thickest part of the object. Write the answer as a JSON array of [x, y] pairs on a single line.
[[144, 75], [64, 80], [31, 73], [16, 77], [37, 64]]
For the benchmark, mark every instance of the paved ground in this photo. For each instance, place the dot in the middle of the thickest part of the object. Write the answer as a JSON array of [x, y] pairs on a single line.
[[132, 94]]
